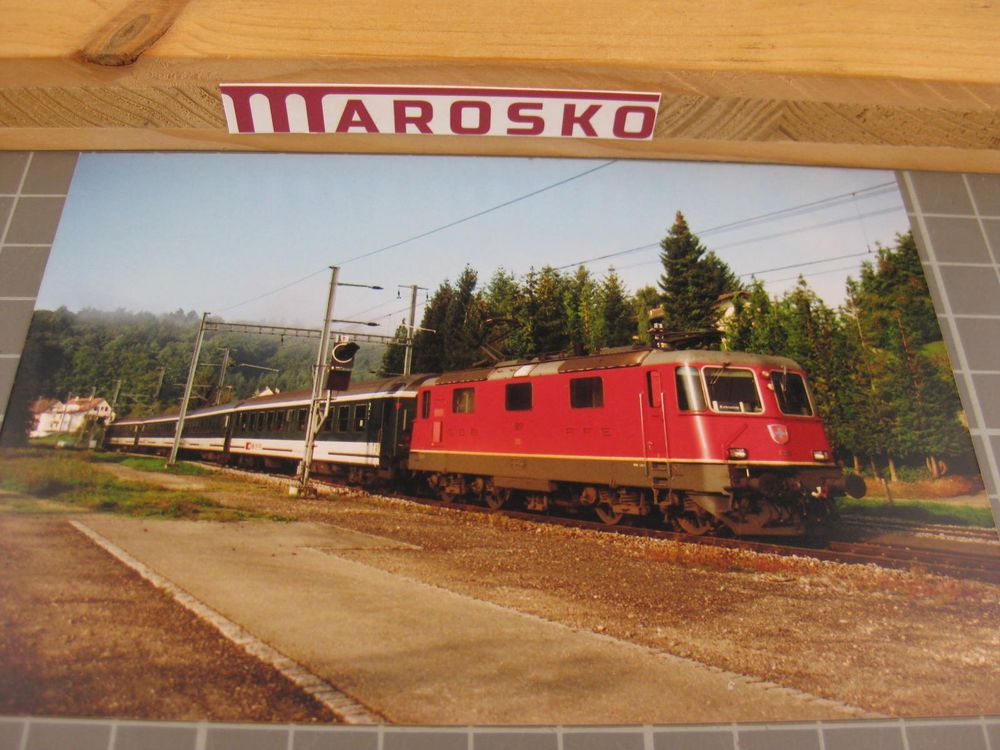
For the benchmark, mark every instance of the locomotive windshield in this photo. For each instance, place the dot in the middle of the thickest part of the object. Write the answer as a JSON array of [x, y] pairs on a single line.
[[790, 390], [732, 389]]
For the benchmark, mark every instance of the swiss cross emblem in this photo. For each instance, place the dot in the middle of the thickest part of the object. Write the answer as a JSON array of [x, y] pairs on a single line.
[[779, 433]]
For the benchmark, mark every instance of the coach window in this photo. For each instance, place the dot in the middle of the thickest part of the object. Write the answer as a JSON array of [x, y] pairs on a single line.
[[279, 421], [690, 397], [259, 422], [586, 393], [300, 419], [360, 417], [463, 400], [517, 396], [425, 405], [343, 418]]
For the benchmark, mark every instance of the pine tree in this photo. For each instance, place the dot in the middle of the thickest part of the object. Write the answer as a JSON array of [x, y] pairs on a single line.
[[544, 313], [693, 280], [579, 302], [394, 358], [502, 301], [463, 322], [617, 322], [429, 344]]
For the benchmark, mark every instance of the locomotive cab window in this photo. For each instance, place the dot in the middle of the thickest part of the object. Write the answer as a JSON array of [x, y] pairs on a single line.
[[586, 393], [463, 400], [517, 397], [732, 390], [790, 391], [690, 396]]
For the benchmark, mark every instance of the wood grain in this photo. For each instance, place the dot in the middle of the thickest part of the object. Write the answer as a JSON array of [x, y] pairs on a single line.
[[136, 28], [894, 84]]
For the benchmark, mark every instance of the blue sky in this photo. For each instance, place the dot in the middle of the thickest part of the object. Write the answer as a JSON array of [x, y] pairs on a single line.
[[218, 232]]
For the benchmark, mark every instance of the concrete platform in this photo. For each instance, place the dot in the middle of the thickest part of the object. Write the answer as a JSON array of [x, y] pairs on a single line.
[[419, 654]]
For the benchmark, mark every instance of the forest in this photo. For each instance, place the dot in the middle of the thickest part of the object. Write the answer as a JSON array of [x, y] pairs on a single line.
[[878, 366]]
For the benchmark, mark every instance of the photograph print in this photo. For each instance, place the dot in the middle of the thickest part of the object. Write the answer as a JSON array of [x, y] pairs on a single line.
[[352, 439]]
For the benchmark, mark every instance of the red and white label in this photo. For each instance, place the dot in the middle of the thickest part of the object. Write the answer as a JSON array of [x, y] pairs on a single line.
[[438, 110]]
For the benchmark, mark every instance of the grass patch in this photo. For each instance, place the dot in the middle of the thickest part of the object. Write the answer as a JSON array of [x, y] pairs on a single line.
[[68, 439], [923, 511], [149, 463], [159, 464], [71, 479]]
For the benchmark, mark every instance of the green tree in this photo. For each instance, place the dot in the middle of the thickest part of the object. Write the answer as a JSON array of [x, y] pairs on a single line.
[[429, 344], [616, 317], [755, 325], [693, 280], [645, 299], [579, 303], [463, 324], [395, 355], [544, 313], [503, 330]]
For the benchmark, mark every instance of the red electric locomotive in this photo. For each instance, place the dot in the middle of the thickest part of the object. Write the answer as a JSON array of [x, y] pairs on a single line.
[[711, 441]]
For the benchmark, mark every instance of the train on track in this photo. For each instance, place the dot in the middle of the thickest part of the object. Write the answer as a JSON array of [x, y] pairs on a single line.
[[700, 441]]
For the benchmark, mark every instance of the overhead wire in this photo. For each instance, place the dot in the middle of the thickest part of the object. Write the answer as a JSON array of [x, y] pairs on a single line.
[[776, 235], [476, 215], [798, 210], [429, 232]]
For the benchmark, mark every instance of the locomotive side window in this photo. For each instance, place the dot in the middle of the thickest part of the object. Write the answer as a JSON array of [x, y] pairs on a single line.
[[586, 393], [790, 390], [690, 396], [463, 400], [732, 389], [517, 396], [425, 404]]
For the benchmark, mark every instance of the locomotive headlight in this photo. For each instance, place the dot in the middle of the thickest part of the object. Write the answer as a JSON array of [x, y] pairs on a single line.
[[821, 455], [738, 454]]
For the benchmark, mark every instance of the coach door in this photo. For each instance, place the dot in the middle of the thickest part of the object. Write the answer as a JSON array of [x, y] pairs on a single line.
[[654, 424]]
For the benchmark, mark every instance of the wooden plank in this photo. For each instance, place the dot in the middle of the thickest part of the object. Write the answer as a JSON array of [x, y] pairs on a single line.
[[895, 84]]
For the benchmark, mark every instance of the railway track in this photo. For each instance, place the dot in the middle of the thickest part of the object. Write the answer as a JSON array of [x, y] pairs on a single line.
[[943, 531], [976, 565], [983, 566]]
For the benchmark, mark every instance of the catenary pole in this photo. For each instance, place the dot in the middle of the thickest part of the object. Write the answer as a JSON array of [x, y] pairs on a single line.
[[222, 375], [312, 427], [187, 391], [411, 332]]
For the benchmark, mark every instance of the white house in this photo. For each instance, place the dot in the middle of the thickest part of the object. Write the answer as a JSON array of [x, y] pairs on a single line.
[[69, 417]]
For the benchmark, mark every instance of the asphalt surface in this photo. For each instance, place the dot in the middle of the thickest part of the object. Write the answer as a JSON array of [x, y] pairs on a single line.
[[420, 654]]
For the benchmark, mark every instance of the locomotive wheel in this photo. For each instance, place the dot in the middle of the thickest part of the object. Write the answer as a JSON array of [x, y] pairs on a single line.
[[496, 498], [691, 524], [607, 514]]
